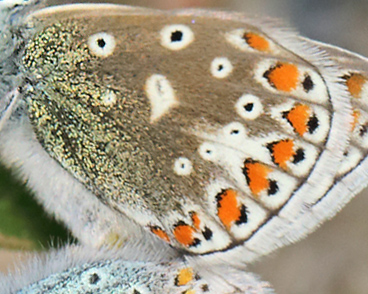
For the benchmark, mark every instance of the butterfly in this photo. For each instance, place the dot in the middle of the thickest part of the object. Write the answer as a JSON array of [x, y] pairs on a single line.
[[216, 135]]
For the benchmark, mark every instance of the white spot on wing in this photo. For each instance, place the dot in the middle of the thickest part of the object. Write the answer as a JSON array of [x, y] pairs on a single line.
[[183, 166], [161, 95], [208, 151], [109, 98], [221, 67], [176, 37], [249, 107], [351, 160], [101, 44], [234, 134]]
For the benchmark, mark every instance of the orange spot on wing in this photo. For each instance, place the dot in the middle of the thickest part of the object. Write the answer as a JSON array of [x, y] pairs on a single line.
[[284, 76], [256, 174], [356, 116], [282, 152], [257, 42], [184, 234], [160, 233], [228, 210], [196, 221], [298, 118], [355, 83], [184, 277]]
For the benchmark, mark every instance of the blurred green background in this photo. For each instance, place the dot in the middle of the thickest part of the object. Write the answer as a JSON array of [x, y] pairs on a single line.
[[333, 260], [23, 223]]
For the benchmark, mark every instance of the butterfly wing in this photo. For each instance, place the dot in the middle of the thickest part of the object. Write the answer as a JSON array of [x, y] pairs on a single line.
[[210, 130], [85, 270], [350, 177]]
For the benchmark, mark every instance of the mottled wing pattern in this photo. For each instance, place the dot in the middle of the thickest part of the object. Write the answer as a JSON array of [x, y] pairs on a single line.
[[131, 270], [205, 128]]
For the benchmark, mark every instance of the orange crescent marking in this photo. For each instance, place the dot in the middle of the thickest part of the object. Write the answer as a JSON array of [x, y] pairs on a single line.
[[184, 234], [257, 174], [356, 116], [160, 233], [284, 77], [298, 117], [196, 221], [228, 210], [184, 277], [257, 42], [283, 151], [355, 84]]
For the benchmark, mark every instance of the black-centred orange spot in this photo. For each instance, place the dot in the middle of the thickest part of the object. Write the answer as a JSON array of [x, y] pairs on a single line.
[[299, 118], [282, 152], [256, 42], [355, 83], [256, 174], [184, 234], [228, 209], [283, 76], [184, 276], [160, 233]]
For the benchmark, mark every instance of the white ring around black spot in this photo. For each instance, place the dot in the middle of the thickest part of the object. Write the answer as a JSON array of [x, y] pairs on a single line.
[[176, 37], [249, 107], [221, 67], [102, 44], [234, 130], [183, 166], [207, 151]]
